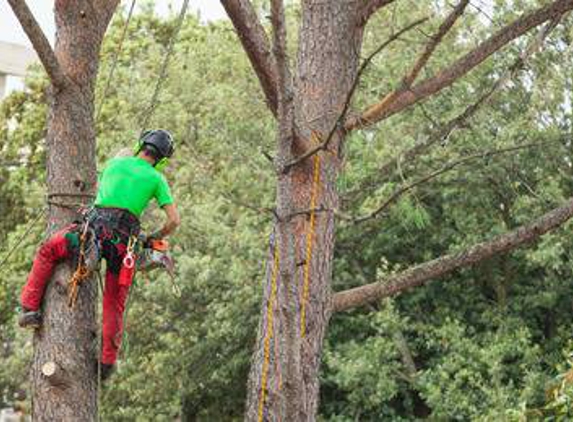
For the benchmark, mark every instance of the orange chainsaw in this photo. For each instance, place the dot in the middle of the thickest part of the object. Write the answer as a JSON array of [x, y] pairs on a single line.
[[155, 254]]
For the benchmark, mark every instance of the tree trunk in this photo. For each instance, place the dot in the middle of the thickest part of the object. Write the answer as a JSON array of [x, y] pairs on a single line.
[[69, 336], [283, 383]]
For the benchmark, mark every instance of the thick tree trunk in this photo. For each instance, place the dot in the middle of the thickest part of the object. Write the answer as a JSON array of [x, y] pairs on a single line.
[[69, 336], [283, 384]]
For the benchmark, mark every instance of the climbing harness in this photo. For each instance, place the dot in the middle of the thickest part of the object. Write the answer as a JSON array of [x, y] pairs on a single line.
[[269, 333], [101, 230]]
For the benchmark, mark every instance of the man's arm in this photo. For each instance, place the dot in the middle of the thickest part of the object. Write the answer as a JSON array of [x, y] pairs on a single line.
[[172, 221]]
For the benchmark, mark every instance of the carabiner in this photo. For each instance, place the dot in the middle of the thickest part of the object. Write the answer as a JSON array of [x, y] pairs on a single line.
[[129, 261]]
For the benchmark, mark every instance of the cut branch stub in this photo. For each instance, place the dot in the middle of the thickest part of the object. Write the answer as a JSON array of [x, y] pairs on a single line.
[[55, 375]]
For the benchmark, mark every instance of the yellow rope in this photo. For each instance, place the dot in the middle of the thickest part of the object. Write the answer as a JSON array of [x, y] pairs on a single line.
[[274, 276], [269, 334], [81, 273], [309, 240]]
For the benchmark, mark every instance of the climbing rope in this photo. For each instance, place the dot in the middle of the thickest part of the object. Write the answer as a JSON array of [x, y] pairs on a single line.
[[269, 333], [115, 61], [81, 273], [163, 72], [310, 240]]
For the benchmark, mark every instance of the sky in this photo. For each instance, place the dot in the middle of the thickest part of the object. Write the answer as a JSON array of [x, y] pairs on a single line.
[[11, 31]]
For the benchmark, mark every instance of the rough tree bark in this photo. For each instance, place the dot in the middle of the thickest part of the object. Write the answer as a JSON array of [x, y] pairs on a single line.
[[283, 383], [328, 54], [68, 338]]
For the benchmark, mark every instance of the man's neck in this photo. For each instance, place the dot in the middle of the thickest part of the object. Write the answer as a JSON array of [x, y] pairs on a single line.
[[146, 157]]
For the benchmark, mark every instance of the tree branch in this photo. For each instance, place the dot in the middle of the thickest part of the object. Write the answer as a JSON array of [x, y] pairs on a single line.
[[444, 131], [423, 273], [433, 43], [447, 167], [324, 143], [404, 98], [369, 8], [39, 41], [256, 44]]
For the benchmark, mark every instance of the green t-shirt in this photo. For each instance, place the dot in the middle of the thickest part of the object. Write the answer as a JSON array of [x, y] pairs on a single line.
[[130, 183]]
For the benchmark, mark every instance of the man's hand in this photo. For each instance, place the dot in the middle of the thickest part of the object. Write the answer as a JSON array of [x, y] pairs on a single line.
[[171, 223]]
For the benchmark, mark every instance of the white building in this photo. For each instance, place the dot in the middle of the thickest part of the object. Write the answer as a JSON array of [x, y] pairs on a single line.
[[14, 60]]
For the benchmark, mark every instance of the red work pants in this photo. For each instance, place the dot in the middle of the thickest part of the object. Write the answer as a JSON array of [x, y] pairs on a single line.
[[56, 250]]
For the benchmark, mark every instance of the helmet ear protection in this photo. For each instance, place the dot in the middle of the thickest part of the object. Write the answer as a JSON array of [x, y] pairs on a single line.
[[139, 143], [159, 164]]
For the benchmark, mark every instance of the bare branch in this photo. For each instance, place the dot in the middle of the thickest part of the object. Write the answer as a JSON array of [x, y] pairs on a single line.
[[39, 41], [446, 77], [406, 354], [256, 44], [446, 130], [369, 8], [450, 166], [433, 44], [338, 124], [423, 273], [246, 205]]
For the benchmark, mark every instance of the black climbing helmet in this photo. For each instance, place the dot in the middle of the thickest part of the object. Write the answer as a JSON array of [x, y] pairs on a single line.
[[161, 140]]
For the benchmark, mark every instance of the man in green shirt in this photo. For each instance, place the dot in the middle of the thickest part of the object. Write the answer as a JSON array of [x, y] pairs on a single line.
[[126, 187]]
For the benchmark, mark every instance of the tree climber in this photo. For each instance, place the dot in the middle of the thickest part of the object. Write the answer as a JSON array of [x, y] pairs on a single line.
[[125, 188]]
